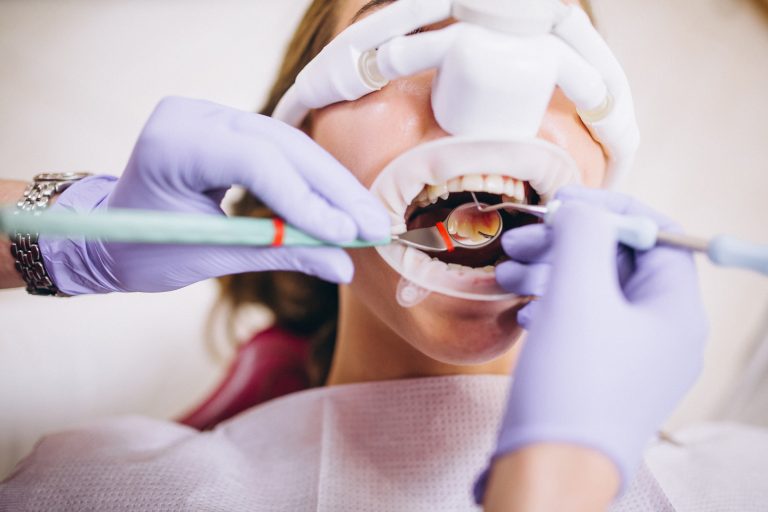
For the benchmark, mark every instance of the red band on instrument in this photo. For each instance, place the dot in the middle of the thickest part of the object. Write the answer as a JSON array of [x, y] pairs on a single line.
[[446, 237], [279, 225]]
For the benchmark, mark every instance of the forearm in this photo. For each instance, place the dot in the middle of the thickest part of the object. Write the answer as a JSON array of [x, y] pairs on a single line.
[[10, 192], [552, 477]]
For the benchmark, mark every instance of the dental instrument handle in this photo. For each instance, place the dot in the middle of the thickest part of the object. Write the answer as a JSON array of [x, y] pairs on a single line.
[[138, 226], [728, 251], [642, 233], [634, 231]]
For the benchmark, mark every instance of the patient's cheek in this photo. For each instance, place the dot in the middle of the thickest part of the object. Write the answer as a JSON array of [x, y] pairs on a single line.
[[367, 134], [563, 127], [360, 136]]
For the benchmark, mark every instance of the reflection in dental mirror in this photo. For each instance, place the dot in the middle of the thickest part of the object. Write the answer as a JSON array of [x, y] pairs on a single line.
[[471, 228]]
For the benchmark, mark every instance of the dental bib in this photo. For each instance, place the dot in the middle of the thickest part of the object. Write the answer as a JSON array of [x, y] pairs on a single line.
[[498, 66], [413, 445]]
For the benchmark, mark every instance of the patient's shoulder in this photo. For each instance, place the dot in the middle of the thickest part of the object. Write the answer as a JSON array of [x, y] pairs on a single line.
[[115, 464], [101, 443], [110, 437]]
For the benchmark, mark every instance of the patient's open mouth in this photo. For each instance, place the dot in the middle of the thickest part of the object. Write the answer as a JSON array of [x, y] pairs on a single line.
[[435, 203]]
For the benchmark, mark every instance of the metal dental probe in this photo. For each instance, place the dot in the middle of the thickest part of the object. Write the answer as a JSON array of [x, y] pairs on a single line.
[[642, 233]]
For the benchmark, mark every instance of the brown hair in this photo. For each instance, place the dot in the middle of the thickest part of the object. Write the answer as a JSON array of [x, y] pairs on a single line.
[[301, 304]]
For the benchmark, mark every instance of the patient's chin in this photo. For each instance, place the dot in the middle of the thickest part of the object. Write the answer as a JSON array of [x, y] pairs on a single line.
[[467, 342], [463, 332]]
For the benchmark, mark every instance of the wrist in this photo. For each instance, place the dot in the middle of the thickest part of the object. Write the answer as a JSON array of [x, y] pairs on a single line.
[[74, 264], [24, 246], [10, 192], [552, 476]]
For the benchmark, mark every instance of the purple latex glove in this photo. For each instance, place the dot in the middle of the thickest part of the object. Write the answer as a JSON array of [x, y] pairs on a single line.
[[612, 347], [187, 156]]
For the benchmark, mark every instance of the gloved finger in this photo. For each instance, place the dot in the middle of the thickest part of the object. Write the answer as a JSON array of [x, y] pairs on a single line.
[[625, 263], [523, 280], [327, 263], [665, 280], [533, 244], [528, 244], [336, 184], [279, 186], [584, 254], [616, 203], [528, 314]]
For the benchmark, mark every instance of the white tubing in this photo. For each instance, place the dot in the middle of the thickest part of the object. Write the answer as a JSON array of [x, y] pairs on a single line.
[[290, 109], [620, 139], [577, 30], [581, 83], [334, 75], [399, 18], [617, 131], [409, 55]]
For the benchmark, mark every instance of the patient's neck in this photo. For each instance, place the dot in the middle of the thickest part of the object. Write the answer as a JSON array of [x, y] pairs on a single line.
[[368, 350]]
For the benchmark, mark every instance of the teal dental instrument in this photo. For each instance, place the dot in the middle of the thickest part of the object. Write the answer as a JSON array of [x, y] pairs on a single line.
[[153, 227], [642, 233]]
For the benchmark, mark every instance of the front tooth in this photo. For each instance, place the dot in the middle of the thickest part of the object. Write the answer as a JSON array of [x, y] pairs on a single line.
[[509, 187], [494, 184], [465, 229], [472, 183], [490, 269], [436, 191], [520, 191], [454, 185]]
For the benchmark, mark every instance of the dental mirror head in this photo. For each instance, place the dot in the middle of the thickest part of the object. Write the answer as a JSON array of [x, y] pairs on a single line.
[[472, 228], [468, 226]]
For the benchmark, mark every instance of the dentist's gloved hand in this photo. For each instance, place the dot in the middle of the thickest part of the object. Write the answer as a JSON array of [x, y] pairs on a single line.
[[614, 343], [187, 156]]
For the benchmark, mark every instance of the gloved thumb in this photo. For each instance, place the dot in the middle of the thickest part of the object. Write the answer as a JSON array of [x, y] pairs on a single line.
[[584, 252]]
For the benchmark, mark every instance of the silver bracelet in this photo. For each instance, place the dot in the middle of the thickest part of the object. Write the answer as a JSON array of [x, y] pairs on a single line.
[[24, 246]]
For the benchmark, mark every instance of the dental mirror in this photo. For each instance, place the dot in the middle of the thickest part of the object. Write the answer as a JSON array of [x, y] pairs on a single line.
[[471, 228], [468, 226]]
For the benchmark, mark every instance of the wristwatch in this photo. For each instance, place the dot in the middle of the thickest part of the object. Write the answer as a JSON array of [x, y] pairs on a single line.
[[24, 247]]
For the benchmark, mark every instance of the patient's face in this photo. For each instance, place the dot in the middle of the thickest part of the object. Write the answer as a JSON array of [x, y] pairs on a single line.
[[366, 135]]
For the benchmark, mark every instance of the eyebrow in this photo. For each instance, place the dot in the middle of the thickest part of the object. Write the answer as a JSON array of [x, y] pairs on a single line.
[[370, 6]]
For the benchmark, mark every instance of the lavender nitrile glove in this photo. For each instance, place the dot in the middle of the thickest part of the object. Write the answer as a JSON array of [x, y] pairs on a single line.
[[612, 348], [187, 156]]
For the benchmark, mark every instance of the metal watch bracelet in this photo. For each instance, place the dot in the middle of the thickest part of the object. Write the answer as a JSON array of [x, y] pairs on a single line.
[[24, 246]]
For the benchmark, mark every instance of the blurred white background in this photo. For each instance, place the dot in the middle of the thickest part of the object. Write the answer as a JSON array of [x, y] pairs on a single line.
[[79, 77]]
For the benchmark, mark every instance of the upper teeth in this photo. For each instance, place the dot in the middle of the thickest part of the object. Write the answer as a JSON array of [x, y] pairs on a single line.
[[511, 188]]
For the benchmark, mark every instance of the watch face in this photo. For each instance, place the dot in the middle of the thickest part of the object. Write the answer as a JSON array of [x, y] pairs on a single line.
[[61, 176]]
